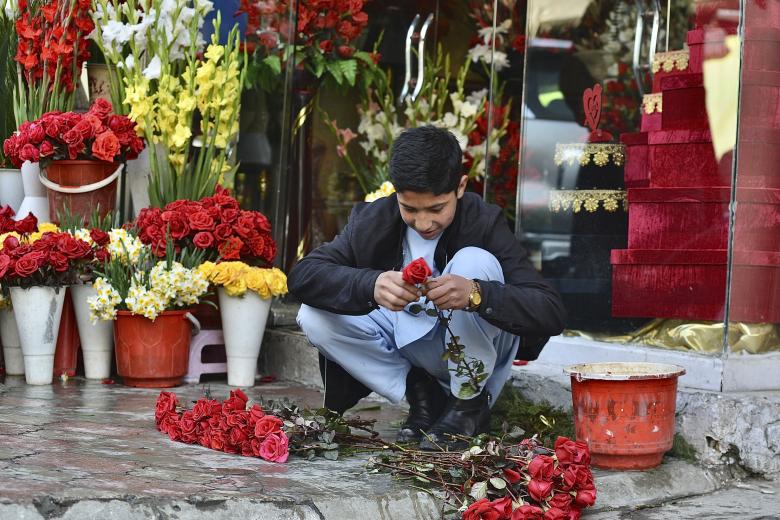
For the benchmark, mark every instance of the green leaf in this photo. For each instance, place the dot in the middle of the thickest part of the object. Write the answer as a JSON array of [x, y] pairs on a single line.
[[364, 57], [465, 392], [273, 63], [479, 490], [415, 308], [498, 483], [349, 69], [335, 70], [431, 312]]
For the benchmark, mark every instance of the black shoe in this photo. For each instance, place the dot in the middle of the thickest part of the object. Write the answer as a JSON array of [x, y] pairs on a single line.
[[465, 417], [426, 400], [342, 391]]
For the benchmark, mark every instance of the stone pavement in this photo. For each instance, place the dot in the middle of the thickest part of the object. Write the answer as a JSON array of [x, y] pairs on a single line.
[[84, 450]]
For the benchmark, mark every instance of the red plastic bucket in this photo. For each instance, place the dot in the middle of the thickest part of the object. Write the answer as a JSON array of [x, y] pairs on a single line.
[[81, 187], [625, 412]]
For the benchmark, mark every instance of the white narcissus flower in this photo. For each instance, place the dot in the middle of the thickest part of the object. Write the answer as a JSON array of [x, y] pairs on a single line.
[[152, 71]]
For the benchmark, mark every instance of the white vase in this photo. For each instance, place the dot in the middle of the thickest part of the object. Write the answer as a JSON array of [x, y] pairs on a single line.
[[97, 339], [138, 172], [11, 188], [38, 311], [243, 326], [12, 349], [35, 200]]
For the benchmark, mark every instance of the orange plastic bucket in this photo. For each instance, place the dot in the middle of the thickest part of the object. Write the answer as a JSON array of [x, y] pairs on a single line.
[[81, 187], [625, 412], [152, 354]]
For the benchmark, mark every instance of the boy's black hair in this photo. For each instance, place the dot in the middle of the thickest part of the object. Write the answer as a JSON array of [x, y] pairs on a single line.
[[426, 159]]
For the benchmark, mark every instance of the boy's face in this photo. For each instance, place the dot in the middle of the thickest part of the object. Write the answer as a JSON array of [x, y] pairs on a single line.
[[430, 214]]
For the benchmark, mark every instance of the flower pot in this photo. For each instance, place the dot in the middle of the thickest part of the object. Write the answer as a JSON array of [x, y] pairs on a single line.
[[66, 352], [625, 412], [38, 311], [97, 339], [12, 349], [152, 354], [243, 325], [81, 187], [35, 200], [11, 188]]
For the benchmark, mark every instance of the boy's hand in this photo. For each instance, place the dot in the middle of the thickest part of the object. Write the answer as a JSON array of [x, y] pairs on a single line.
[[391, 292], [449, 291]]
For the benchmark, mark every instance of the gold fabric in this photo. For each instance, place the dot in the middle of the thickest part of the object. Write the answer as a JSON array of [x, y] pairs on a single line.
[[575, 200], [668, 61], [653, 103], [599, 153], [705, 337]]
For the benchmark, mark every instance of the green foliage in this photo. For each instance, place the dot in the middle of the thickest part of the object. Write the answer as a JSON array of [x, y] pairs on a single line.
[[7, 76], [514, 412], [72, 222]]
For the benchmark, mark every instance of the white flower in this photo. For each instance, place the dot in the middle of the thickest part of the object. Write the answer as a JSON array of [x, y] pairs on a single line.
[[450, 120], [487, 32], [477, 96], [483, 53], [9, 8], [152, 71], [462, 139]]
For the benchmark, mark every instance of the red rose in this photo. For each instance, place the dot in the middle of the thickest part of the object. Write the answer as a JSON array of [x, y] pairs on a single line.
[[5, 263], [512, 476], [106, 146], [255, 414], [261, 222], [36, 133], [360, 18], [189, 428], [236, 401], [136, 147], [152, 234], [99, 237], [120, 124], [574, 514], [527, 512], [229, 215], [270, 250], [555, 513], [561, 501], [586, 497], [73, 138], [416, 272], [201, 221], [540, 490], [52, 127], [166, 402], [101, 108], [565, 450], [46, 149], [29, 152], [231, 249], [86, 129], [72, 247], [102, 255], [58, 261], [217, 440], [237, 419], [267, 425], [257, 245], [326, 46], [541, 467], [27, 225], [177, 224], [203, 240], [582, 456], [482, 509], [201, 410], [10, 243], [222, 232], [345, 51], [275, 447]]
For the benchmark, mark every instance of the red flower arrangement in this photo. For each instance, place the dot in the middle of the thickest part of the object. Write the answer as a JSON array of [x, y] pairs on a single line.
[[214, 224], [53, 260], [99, 134], [227, 426], [324, 38], [53, 41]]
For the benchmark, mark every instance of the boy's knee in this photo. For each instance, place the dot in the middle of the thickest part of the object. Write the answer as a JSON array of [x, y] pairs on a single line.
[[475, 262]]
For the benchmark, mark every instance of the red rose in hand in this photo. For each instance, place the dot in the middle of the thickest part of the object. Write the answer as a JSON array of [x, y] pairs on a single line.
[[106, 146], [541, 467], [28, 264], [482, 509], [540, 490], [203, 240], [416, 272], [27, 225], [99, 237], [275, 447], [267, 425], [527, 512]]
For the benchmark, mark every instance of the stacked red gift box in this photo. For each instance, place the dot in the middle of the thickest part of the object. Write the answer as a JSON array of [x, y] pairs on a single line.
[[679, 194]]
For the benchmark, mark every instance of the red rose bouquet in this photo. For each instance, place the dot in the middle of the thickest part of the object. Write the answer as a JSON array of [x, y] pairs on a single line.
[[216, 225], [52, 259], [323, 42], [97, 135]]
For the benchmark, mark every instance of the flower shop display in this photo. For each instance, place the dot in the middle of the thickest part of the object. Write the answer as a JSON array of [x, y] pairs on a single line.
[[245, 294], [37, 266], [80, 154], [149, 301], [215, 225]]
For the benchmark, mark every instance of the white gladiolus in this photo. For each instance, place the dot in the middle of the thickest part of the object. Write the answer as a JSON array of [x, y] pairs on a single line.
[[152, 71]]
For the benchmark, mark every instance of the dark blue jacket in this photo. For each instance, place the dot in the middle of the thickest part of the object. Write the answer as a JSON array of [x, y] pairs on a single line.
[[339, 276]]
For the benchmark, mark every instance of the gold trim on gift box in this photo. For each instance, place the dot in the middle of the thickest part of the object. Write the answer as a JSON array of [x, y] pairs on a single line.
[[590, 200], [668, 61], [653, 103], [599, 153]]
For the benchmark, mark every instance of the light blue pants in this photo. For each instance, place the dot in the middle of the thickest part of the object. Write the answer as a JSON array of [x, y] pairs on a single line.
[[378, 349]]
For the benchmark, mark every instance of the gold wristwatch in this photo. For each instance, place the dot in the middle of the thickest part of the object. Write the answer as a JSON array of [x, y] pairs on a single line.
[[475, 297]]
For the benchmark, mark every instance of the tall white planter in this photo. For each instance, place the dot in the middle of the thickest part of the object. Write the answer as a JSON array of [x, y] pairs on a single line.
[[11, 188], [243, 326], [35, 200], [97, 339], [137, 178], [38, 311], [12, 349]]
